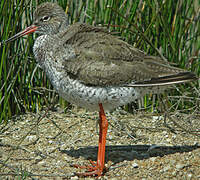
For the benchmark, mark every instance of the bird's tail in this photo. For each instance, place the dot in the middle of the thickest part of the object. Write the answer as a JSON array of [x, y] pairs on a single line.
[[166, 80]]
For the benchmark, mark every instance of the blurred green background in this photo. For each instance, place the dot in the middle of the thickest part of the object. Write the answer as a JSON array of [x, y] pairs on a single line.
[[166, 28]]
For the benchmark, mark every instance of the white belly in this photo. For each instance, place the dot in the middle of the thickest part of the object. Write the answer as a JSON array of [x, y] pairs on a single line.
[[89, 97]]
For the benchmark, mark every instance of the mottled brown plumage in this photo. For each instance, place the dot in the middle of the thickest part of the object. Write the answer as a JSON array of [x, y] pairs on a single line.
[[105, 60]]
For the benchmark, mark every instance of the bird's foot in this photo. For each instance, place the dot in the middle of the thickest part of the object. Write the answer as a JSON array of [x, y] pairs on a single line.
[[93, 170]]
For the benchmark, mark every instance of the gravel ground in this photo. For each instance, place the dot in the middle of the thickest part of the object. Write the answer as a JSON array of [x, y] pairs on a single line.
[[142, 146]]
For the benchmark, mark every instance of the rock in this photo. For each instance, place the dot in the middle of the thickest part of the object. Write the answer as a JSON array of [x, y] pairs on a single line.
[[74, 178], [135, 165], [180, 166], [153, 159]]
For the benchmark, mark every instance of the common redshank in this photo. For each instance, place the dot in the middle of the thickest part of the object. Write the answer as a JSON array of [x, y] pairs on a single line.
[[93, 69]]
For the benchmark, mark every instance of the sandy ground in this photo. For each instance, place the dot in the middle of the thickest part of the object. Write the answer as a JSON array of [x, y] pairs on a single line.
[[142, 146]]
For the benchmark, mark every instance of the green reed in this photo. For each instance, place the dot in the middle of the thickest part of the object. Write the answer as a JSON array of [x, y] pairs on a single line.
[[169, 29]]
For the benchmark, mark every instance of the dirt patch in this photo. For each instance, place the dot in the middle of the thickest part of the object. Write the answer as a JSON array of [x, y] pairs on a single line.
[[141, 146]]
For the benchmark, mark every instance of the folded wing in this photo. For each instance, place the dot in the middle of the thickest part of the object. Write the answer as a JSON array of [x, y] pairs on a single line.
[[105, 60]]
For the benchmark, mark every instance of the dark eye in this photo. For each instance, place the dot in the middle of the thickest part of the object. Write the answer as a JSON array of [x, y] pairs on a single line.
[[45, 18]]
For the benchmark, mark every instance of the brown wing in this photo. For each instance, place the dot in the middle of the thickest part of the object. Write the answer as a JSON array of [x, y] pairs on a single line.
[[103, 60]]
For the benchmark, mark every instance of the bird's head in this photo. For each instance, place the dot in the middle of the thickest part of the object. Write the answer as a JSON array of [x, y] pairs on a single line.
[[48, 18]]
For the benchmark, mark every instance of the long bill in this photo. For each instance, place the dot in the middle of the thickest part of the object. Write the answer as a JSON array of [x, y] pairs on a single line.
[[26, 31]]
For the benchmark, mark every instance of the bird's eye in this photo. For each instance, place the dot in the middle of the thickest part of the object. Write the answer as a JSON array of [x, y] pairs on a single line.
[[45, 18]]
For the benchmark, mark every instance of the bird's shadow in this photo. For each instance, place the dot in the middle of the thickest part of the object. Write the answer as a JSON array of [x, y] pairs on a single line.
[[120, 153]]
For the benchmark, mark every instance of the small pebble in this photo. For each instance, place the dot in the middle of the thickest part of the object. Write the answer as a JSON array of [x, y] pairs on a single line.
[[166, 168], [41, 163], [180, 166], [73, 178], [135, 165], [153, 159], [31, 138], [155, 118], [51, 142]]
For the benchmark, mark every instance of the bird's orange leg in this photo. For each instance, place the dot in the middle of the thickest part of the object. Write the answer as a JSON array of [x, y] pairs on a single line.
[[98, 168]]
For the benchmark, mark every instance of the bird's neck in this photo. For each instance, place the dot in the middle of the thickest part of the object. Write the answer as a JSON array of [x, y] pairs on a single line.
[[63, 26]]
